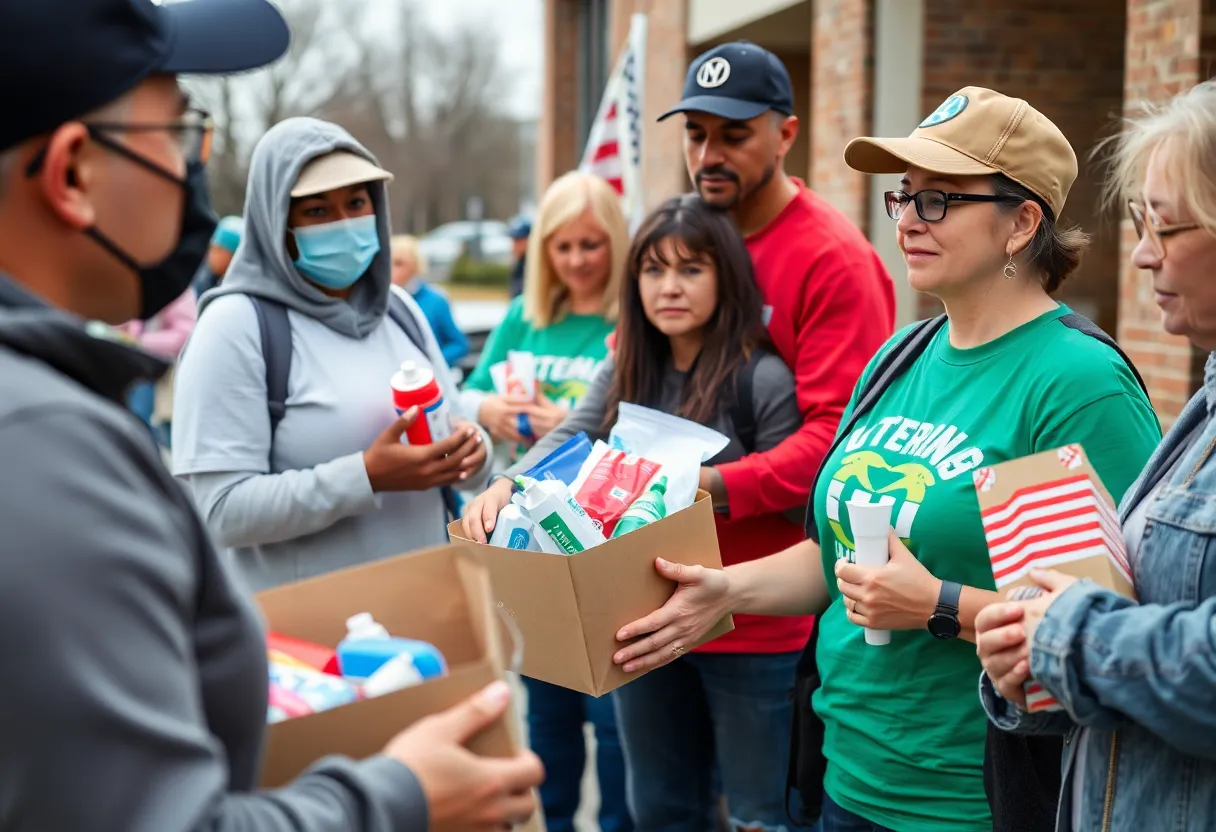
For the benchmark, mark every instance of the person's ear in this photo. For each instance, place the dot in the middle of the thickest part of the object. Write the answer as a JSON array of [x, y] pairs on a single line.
[[789, 134], [1026, 224], [67, 175]]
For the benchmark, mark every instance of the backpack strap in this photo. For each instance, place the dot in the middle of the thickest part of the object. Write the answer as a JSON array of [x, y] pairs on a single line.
[[1083, 324], [742, 409], [274, 328], [889, 368], [401, 315]]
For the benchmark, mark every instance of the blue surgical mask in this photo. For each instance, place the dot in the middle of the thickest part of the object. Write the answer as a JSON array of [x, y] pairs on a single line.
[[336, 254]]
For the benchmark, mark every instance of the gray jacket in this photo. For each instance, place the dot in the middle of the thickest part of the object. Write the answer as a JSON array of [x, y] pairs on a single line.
[[300, 505], [134, 692]]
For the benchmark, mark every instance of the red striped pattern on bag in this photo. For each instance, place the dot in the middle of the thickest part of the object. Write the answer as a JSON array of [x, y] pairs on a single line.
[[1052, 523]]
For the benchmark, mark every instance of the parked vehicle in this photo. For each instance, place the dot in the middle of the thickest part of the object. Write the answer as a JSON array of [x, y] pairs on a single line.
[[444, 244]]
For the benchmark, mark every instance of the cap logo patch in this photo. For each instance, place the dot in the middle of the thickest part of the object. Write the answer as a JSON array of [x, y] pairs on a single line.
[[713, 73], [949, 109]]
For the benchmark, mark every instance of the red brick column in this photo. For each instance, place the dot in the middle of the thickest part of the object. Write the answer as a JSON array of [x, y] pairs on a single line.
[[842, 36], [1166, 54], [556, 139]]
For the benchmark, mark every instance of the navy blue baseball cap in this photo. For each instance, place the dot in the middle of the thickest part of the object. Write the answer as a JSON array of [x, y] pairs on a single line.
[[738, 81], [61, 59], [519, 227]]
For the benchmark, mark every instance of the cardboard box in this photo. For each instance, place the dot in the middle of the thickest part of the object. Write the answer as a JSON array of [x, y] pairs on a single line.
[[439, 595], [569, 607], [1050, 510]]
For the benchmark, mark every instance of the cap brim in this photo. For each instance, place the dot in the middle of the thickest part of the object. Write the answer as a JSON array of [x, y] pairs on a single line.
[[216, 37], [353, 171], [716, 105], [896, 155]]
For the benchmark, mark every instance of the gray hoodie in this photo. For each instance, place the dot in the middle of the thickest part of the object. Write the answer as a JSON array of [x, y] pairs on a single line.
[[302, 505], [134, 691]]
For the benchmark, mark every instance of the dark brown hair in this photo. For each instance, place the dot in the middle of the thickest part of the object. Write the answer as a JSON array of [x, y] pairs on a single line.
[[732, 334], [1055, 252]]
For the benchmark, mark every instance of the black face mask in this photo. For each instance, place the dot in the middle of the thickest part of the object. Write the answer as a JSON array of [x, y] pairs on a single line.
[[166, 281]]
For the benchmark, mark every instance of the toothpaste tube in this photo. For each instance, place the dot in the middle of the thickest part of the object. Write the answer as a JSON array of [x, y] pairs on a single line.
[[320, 691], [563, 463], [612, 485], [521, 382], [549, 505], [514, 530]]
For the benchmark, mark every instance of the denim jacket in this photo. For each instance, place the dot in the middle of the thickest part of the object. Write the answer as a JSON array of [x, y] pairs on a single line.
[[1141, 676]]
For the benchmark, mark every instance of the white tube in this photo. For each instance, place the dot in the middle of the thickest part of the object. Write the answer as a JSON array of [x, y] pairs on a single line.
[[871, 523]]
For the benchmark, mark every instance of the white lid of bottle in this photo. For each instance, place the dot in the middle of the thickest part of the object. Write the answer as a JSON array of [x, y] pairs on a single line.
[[412, 376], [870, 519], [363, 625]]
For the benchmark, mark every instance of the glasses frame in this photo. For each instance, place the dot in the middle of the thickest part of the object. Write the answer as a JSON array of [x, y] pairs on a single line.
[[194, 120], [897, 201], [196, 151], [1144, 225]]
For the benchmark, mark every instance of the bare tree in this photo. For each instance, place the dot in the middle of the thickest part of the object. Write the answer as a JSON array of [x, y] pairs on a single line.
[[426, 104]]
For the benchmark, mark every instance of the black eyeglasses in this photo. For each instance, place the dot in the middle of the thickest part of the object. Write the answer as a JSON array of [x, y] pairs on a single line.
[[931, 205], [194, 132]]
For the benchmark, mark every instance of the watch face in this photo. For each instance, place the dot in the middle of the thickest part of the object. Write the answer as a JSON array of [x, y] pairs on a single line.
[[944, 626]]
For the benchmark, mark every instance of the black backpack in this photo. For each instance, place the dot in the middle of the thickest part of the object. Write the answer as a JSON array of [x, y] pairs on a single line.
[[806, 762], [274, 327]]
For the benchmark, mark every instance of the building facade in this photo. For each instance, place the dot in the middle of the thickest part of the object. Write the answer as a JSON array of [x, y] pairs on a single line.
[[875, 67]]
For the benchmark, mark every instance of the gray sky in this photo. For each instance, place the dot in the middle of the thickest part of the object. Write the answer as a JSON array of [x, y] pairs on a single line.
[[521, 23]]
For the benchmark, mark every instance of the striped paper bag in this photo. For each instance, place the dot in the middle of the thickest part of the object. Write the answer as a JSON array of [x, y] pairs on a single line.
[[1050, 510]]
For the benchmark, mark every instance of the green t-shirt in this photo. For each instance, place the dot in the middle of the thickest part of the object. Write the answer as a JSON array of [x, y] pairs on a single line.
[[905, 731], [568, 353]]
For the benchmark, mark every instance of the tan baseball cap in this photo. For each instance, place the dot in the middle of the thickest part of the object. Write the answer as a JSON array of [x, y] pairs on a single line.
[[979, 131], [338, 169]]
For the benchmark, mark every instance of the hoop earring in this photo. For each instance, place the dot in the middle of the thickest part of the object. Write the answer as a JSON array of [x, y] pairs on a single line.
[[1011, 269]]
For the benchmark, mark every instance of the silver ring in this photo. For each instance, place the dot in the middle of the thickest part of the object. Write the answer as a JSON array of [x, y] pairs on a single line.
[[677, 650]]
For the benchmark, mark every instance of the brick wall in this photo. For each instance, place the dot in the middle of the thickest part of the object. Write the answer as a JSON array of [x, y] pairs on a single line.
[[556, 139], [798, 64], [841, 82], [1034, 50], [1169, 48]]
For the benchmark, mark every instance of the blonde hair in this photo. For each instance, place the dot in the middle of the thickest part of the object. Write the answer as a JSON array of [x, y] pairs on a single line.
[[1185, 128], [408, 244], [545, 298]]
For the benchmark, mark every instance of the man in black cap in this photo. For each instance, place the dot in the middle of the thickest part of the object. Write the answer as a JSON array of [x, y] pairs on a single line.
[[830, 305], [135, 679]]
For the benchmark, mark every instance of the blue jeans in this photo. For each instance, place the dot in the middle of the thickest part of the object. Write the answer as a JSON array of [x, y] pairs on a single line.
[[837, 819], [141, 399], [703, 720], [555, 728]]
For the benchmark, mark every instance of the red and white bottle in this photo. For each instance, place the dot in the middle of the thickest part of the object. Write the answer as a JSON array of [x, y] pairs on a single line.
[[415, 386]]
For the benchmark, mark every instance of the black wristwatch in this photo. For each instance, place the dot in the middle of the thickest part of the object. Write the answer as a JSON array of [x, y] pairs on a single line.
[[944, 622]]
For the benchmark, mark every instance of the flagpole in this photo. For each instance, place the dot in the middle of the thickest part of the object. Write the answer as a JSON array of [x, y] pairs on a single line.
[[637, 42]]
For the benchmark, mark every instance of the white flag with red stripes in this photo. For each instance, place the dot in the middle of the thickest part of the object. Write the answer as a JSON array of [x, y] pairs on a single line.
[[614, 146]]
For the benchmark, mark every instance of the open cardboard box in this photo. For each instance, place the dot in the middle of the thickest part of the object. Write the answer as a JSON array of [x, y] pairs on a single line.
[[439, 595], [569, 607], [1050, 510]]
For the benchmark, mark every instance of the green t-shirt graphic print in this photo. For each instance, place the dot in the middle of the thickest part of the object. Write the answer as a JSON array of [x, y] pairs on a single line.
[[904, 730]]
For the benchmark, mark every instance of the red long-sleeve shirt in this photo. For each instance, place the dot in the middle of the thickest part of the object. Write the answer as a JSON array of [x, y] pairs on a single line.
[[833, 306]]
